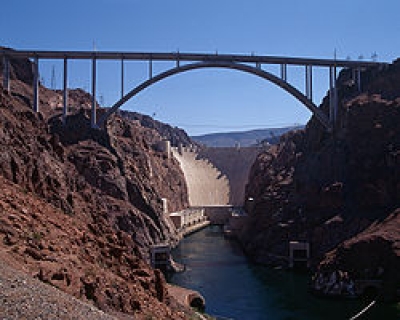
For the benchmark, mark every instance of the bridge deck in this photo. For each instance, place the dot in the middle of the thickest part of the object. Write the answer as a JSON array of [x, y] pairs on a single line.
[[178, 56], [195, 61]]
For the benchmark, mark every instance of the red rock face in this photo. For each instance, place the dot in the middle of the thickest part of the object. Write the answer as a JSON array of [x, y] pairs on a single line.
[[79, 169], [324, 188], [93, 199], [83, 256]]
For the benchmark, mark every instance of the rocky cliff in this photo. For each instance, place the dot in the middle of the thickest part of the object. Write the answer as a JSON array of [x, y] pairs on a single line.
[[325, 188], [80, 207], [175, 135]]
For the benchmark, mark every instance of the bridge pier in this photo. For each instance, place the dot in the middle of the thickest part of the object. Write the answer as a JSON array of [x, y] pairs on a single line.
[[151, 69], [122, 77], [178, 60], [65, 92], [93, 119], [333, 98], [308, 81], [6, 73], [284, 72], [36, 84]]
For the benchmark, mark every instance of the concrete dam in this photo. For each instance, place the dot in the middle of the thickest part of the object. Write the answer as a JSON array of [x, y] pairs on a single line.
[[216, 179], [216, 176]]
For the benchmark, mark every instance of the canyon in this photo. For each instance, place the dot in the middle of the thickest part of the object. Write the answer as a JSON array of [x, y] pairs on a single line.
[[338, 192], [81, 207]]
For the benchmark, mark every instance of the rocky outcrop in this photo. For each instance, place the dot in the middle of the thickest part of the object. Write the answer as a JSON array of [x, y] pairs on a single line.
[[325, 188], [175, 135], [20, 69], [371, 254], [98, 200]]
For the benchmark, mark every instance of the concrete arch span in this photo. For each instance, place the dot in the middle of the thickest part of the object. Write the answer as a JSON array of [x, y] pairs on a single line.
[[318, 113]]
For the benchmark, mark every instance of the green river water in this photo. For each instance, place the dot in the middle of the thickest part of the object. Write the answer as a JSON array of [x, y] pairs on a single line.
[[236, 289]]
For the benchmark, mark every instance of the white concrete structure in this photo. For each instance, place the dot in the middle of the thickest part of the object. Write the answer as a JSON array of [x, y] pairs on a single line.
[[165, 205], [216, 176], [188, 218], [207, 186], [299, 254], [165, 146]]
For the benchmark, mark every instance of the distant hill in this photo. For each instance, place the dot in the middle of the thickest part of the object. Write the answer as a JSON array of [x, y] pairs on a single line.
[[243, 138]]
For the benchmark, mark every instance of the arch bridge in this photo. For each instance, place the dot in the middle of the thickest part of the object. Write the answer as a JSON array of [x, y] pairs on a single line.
[[183, 62]]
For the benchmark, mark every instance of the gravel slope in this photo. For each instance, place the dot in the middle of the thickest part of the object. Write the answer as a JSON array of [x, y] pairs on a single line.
[[22, 297]]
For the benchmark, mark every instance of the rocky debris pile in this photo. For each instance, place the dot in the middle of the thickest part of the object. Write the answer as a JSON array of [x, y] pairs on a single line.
[[326, 188], [23, 297], [89, 201], [334, 284]]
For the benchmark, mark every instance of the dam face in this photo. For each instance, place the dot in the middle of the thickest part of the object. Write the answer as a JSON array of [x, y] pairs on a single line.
[[216, 176]]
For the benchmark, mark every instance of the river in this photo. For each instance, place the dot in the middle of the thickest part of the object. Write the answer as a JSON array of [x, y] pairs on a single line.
[[236, 289]]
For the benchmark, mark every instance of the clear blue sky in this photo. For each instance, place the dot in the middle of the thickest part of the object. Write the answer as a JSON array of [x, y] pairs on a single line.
[[204, 100]]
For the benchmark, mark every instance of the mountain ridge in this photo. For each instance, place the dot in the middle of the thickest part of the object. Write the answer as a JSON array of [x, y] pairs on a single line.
[[244, 138]]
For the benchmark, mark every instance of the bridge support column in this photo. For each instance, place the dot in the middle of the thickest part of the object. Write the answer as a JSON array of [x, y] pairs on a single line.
[[284, 72], [122, 77], [309, 82], [65, 92], [333, 99], [6, 73], [36, 84], [93, 115], [150, 69]]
